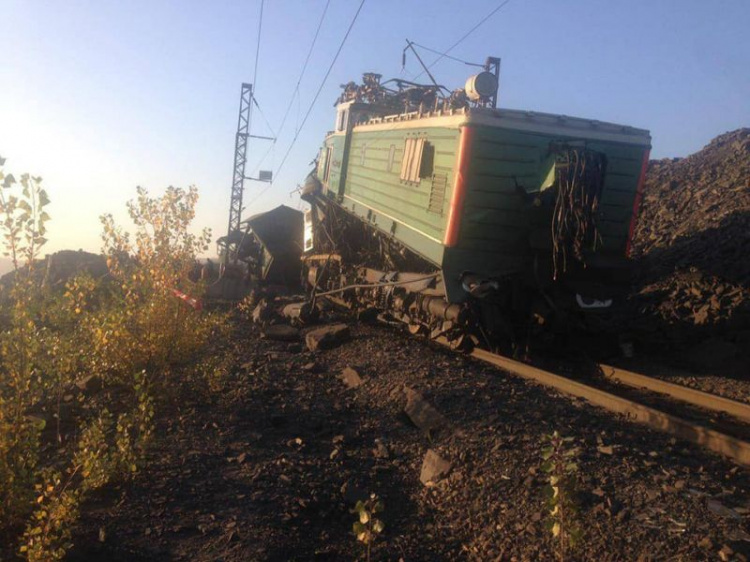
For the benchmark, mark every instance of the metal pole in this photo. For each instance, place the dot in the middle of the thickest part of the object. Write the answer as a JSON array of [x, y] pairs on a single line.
[[238, 176]]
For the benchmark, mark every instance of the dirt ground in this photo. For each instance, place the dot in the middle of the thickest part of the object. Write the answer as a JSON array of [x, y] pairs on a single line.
[[269, 464], [270, 467]]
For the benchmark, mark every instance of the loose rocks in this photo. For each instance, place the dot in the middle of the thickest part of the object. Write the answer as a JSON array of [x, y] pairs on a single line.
[[692, 275], [350, 378], [300, 313], [423, 414], [327, 337], [281, 332], [434, 467], [262, 312]]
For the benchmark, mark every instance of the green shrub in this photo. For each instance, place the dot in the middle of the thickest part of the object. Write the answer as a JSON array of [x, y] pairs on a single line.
[[128, 330]]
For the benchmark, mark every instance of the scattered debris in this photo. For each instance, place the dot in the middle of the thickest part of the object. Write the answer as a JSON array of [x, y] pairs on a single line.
[[262, 312], [327, 337], [423, 414], [720, 509], [434, 468], [300, 313], [350, 377], [313, 451], [311, 367], [281, 332], [381, 450]]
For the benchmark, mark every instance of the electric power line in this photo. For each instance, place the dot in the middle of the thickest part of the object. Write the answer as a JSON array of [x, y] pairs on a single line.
[[322, 83], [304, 66], [295, 93], [263, 158], [457, 43], [315, 99], [263, 115], [445, 55], [255, 76], [257, 46]]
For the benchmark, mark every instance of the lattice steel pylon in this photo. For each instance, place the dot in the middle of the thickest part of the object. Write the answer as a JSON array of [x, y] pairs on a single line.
[[238, 175]]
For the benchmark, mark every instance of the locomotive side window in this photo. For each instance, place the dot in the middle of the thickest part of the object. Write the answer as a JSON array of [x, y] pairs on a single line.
[[427, 161], [327, 166], [412, 160], [342, 119], [391, 155], [322, 162]]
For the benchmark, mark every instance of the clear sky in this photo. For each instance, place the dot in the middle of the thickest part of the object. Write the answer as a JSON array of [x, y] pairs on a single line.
[[99, 96]]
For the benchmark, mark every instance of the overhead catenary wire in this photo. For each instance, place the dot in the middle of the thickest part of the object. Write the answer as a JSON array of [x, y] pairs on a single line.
[[265, 119], [255, 69], [322, 83], [304, 66], [442, 55], [465, 36], [295, 94], [257, 45], [253, 86], [271, 146], [315, 99], [244, 128], [435, 51], [380, 135]]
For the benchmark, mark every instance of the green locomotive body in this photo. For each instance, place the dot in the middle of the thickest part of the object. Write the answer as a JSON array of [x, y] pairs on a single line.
[[475, 192], [448, 184]]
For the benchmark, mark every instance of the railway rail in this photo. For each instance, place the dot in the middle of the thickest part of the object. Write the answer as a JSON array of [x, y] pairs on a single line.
[[696, 432], [731, 414]]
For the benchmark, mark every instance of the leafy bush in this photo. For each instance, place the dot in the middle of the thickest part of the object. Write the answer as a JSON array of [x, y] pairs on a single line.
[[128, 331], [156, 327], [22, 223]]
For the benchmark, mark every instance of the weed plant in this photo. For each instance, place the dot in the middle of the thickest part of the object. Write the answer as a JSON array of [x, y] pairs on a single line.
[[559, 462], [368, 527]]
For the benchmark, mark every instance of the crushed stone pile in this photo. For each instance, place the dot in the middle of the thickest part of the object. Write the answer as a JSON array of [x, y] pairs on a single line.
[[692, 244], [696, 210]]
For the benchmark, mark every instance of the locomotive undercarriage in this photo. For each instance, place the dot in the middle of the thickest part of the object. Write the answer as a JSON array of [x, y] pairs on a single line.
[[361, 268]]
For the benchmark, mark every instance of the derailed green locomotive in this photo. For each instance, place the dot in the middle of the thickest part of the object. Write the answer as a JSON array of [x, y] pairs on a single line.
[[469, 222]]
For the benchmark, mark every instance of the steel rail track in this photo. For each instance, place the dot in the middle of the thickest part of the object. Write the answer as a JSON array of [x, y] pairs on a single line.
[[698, 398], [736, 449]]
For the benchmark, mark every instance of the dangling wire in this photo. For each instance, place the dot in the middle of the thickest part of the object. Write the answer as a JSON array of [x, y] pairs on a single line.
[[464, 36], [580, 179]]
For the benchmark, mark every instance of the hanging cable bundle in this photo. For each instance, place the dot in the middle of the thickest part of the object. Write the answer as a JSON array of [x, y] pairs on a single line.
[[579, 178]]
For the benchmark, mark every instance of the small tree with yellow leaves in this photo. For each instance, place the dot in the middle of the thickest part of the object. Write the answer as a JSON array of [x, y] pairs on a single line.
[[157, 328], [22, 225]]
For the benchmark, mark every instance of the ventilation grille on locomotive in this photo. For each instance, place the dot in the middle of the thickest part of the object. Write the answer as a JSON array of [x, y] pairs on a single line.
[[437, 193]]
